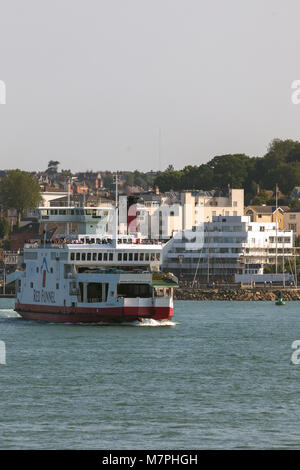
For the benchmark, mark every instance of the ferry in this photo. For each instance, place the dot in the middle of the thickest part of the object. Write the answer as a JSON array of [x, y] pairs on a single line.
[[89, 277]]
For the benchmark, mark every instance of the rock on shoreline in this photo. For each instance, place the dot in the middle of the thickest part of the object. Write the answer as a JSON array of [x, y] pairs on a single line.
[[235, 294]]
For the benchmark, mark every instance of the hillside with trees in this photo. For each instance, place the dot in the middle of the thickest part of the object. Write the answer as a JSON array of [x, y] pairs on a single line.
[[281, 165]]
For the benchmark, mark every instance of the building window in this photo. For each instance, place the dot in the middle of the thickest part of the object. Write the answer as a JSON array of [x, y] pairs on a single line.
[[234, 203], [262, 229]]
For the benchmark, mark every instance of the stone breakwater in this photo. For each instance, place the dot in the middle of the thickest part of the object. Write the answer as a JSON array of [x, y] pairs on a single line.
[[235, 294]]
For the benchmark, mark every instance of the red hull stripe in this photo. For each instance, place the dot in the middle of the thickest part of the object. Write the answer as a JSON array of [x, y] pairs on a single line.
[[53, 314]]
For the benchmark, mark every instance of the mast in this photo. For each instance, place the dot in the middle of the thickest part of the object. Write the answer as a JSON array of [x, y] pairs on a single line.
[[68, 203], [283, 261], [208, 239], [276, 230], [295, 265], [116, 223]]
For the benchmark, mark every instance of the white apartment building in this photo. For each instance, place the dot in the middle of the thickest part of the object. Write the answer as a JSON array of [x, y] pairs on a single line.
[[226, 246], [161, 217]]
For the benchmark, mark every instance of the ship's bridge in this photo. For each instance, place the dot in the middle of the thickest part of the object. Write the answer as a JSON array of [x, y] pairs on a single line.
[[93, 220]]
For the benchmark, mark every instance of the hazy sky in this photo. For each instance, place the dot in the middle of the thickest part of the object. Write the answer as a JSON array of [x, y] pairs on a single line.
[[93, 83]]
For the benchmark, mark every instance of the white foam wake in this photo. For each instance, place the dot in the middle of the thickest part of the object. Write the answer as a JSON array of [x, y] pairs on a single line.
[[8, 313], [152, 322]]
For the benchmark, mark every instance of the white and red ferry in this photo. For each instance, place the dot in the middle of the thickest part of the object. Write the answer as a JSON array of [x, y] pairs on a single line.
[[91, 278]]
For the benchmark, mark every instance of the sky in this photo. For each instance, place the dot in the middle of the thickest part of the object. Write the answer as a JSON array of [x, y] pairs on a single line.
[[141, 84]]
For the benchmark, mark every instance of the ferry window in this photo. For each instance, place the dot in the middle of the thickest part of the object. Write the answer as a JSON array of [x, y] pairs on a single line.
[[152, 256], [157, 256], [94, 256], [89, 256], [147, 257], [134, 290], [104, 256], [92, 240], [111, 256], [99, 256], [136, 256], [125, 257], [119, 256], [77, 256], [130, 257], [83, 256], [62, 212], [159, 292], [141, 256], [72, 256]]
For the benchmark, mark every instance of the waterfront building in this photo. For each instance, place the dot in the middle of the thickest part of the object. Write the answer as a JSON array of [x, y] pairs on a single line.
[[291, 221], [161, 216], [265, 213], [225, 246]]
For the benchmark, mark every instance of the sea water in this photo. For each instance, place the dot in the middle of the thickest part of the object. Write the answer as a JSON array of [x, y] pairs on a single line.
[[220, 376]]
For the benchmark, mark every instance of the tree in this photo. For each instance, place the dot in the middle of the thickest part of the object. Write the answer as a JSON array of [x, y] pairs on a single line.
[[295, 204], [20, 191], [52, 167], [262, 198], [4, 227]]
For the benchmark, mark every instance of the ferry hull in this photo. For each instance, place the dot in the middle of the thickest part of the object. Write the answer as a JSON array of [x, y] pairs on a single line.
[[91, 315]]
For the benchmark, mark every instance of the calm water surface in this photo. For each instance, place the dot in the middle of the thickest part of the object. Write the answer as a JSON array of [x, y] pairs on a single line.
[[221, 378]]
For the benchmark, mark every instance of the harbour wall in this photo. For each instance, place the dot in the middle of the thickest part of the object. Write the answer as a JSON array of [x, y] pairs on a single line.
[[235, 294]]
